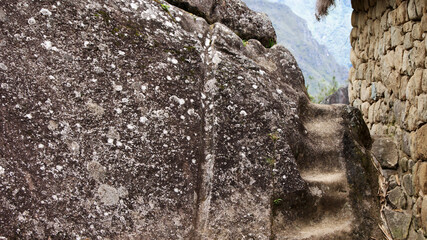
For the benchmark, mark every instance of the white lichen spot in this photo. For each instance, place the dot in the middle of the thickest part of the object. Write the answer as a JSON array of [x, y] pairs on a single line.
[[47, 45], [119, 144], [118, 88], [188, 138], [74, 147], [134, 6], [279, 91], [178, 19], [284, 177], [118, 110], [191, 112], [97, 70], [45, 12], [52, 125], [59, 167], [122, 53], [40, 145], [193, 161], [1, 170], [254, 86], [95, 108], [110, 141], [168, 24], [176, 190], [173, 60], [168, 78], [31, 21], [3, 67], [143, 119], [261, 72], [125, 100], [178, 100], [96, 170], [240, 77], [243, 113], [130, 126], [108, 195], [216, 59], [165, 132], [203, 96], [54, 197], [182, 117], [123, 192], [144, 88], [29, 116]]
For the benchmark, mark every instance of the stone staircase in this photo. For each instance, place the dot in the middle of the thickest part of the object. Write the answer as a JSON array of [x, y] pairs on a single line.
[[327, 208]]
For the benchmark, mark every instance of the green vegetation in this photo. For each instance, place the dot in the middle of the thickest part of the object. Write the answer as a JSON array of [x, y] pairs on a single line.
[[271, 161], [165, 7], [271, 43], [245, 42], [325, 89], [277, 201], [273, 136]]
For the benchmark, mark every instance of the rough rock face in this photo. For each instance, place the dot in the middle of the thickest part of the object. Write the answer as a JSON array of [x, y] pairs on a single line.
[[340, 96], [138, 120], [246, 23]]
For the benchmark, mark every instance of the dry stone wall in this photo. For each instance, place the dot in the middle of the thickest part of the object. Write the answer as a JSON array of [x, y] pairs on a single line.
[[388, 83]]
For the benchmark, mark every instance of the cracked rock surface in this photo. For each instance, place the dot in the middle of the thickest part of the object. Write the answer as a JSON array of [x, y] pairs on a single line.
[[139, 120]]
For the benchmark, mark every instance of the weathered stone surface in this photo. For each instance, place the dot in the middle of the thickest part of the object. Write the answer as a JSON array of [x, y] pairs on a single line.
[[424, 23], [403, 164], [422, 108], [142, 121], [414, 85], [421, 143], [412, 10], [340, 96], [418, 54], [420, 178], [235, 15], [424, 214], [424, 81], [397, 36], [397, 198], [402, 90], [407, 184], [417, 32], [402, 13], [398, 223], [385, 150], [365, 109], [408, 41]]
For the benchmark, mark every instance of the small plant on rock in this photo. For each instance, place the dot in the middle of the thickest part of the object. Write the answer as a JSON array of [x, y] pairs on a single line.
[[165, 7], [277, 201]]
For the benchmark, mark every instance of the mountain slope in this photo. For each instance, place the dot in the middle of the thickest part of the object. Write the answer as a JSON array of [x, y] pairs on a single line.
[[292, 32], [332, 31]]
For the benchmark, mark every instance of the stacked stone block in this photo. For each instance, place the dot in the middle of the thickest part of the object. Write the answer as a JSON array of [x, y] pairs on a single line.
[[388, 83]]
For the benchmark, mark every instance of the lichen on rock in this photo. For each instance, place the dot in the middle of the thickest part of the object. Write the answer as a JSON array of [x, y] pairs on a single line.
[[139, 120]]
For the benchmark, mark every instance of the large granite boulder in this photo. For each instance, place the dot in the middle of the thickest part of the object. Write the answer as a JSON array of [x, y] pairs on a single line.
[[247, 24], [139, 120]]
